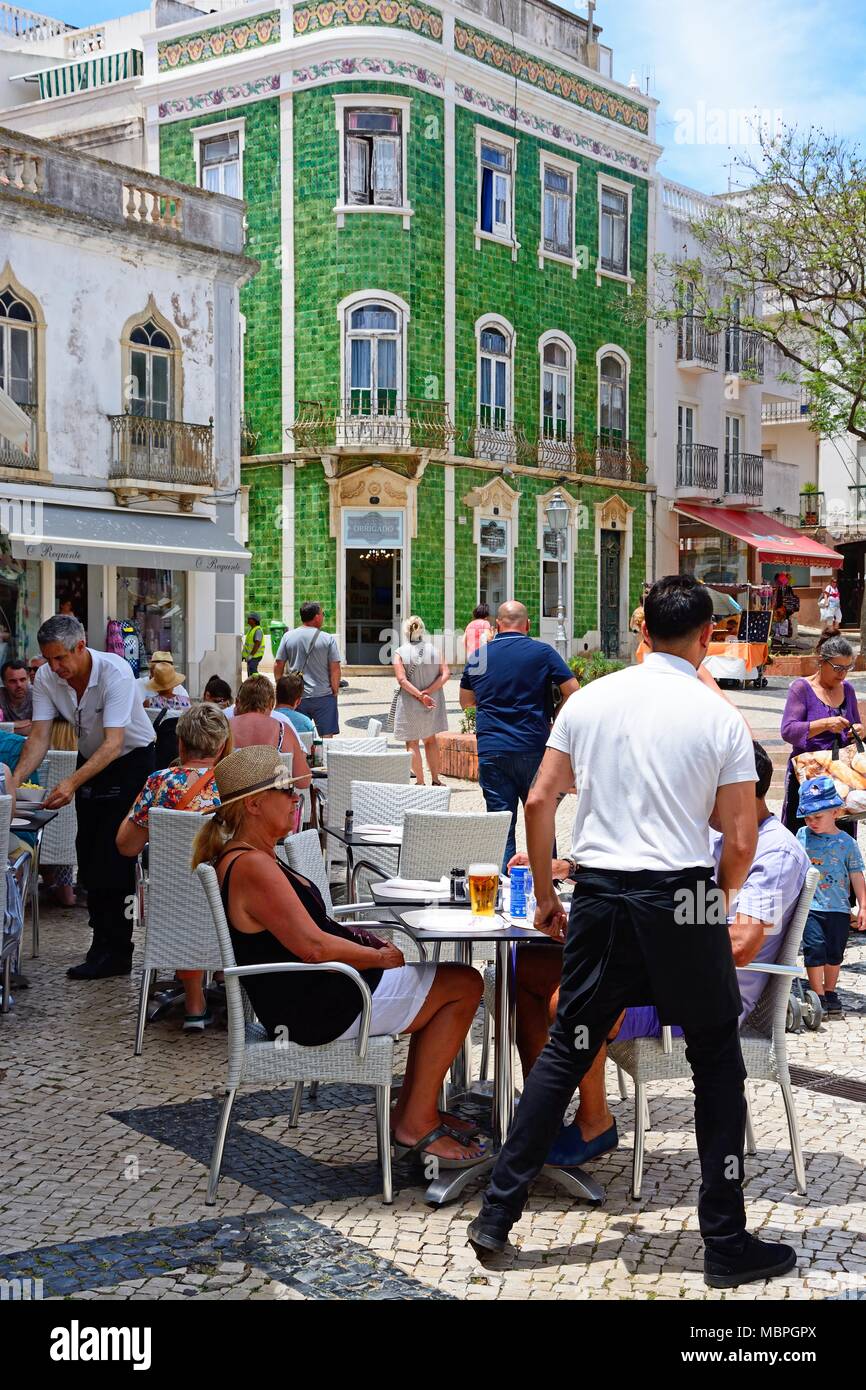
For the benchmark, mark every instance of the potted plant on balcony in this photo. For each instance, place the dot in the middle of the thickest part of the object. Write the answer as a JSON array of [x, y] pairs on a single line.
[[809, 503]]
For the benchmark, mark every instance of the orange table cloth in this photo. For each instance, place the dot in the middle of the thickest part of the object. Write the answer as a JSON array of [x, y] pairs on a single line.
[[752, 653]]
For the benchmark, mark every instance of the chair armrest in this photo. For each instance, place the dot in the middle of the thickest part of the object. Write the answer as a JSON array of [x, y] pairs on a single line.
[[334, 967], [360, 864], [667, 1039], [354, 908], [765, 967]]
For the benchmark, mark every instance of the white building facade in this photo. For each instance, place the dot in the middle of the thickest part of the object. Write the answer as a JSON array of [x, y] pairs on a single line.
[[120, 338]]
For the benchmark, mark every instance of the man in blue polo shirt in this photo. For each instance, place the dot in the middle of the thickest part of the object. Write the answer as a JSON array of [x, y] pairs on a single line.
[[508, 679]]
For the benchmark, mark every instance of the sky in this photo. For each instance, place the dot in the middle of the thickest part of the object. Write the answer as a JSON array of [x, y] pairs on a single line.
[[712, 64]]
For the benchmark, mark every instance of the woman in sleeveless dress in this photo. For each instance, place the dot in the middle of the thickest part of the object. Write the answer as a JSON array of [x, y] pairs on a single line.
[[420, 713], [276, 915]]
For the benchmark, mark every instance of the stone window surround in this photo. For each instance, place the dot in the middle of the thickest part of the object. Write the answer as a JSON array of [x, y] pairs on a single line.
[[9, 281], [127, 347], [358, 101], [542, 502], [495, 501], [605, 180], [391, 301], [486, 135], [556, 335], [565, 166], [202, 133], [613, 350], [615, 515], [495, 321]]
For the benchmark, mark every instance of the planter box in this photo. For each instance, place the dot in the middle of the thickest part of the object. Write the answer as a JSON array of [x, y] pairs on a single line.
[[805, 665], [458, 756]]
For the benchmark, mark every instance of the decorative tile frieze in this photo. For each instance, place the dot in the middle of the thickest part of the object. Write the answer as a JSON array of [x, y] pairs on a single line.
[[221, 42], [399, 14], [219, 97]]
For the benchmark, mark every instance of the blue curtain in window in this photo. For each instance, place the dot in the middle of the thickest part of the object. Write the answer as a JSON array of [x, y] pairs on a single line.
[[487, 200]]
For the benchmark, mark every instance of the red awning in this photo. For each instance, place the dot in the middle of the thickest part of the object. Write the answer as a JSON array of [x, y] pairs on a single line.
[[776, 544]]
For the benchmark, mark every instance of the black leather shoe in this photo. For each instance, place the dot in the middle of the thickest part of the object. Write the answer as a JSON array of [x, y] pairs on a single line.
[[485, 1238], [100, 968], [19, 981], [760, 1259]]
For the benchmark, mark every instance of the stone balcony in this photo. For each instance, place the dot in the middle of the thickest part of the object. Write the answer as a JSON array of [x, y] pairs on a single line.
[[160, 460]]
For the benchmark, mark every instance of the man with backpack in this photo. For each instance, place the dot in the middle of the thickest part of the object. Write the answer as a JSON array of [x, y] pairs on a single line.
[[314, 654]]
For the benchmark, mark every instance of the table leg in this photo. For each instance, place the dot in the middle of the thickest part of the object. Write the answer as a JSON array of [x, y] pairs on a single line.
[[503, 1054], [350, 896], [461, 1067]]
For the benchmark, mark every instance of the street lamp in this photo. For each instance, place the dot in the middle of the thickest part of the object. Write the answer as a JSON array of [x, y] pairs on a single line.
[[557, 520]]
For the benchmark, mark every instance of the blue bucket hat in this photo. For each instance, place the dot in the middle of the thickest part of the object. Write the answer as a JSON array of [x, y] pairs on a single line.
[[818, 794]]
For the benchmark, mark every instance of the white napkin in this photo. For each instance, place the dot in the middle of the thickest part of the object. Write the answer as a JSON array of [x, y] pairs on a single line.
[[414, 885]]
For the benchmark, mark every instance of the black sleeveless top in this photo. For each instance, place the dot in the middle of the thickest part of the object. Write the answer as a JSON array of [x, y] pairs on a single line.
[[310, 1008]]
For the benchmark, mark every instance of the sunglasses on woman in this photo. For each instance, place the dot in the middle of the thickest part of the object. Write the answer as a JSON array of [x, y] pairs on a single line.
[[840, 670]]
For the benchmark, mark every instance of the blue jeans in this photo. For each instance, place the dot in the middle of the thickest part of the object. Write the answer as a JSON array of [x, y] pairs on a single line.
[[505, 779]]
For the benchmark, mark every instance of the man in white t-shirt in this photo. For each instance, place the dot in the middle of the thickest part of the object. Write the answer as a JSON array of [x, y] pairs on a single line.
[[650, 750], [97, 694]]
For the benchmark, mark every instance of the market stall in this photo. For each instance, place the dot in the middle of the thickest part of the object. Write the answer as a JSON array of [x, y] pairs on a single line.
[[740, 648]]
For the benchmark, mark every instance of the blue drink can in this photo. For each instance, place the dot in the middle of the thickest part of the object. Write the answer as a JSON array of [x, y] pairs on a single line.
[[518, 883]]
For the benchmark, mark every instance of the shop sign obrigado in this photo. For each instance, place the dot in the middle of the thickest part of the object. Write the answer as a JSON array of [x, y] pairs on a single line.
[[363, 529]]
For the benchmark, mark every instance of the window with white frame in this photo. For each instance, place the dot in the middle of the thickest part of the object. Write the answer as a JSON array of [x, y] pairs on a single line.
[[493, 561], [557, 210], [494, 368], [373, 159], [219, 159], [555, 390], [373, 359], [151, 356], [614, 230], [612, 401], [554, 570], [17, 349], [496, 159]]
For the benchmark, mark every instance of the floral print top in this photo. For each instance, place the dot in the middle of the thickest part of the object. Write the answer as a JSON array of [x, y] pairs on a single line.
[[165, 789]]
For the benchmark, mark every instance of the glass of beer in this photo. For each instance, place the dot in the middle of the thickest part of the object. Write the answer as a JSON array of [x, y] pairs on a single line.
[[483, 888]]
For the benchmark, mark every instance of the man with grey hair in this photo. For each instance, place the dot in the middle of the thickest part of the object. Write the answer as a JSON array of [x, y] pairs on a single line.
[[97, 694], [509, 680]]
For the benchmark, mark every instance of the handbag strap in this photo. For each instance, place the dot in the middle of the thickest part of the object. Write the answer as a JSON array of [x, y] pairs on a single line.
[[193, 788]]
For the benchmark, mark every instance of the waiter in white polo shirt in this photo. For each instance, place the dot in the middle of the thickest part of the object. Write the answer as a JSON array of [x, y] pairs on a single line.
[[650, 751], [96, 692]]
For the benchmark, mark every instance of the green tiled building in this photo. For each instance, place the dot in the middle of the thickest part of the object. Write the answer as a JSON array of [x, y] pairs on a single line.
[[451, 212]]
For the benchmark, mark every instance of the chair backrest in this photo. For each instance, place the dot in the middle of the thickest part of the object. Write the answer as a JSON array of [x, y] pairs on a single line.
[[306, 815], [239, 1011], [353, 745], [58, 838], [306, 737], [303, 853], [374, 728], [386, 803], [180, 933], [346, 768], [434, 842], [770, 1013], [6, 807]]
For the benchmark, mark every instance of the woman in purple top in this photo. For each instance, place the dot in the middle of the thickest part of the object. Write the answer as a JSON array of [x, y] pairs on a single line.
[[820, 710]]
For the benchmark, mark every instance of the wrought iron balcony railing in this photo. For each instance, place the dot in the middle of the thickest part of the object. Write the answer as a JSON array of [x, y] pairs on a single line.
[[812, 509], [373, 418], [696, 344], [698, 466], [744, 475], [10, 457], [168, 452], [618, 458], [744, 353]]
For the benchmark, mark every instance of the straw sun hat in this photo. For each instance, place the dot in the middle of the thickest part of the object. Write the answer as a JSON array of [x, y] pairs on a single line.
[[163, 676], [250, 771]]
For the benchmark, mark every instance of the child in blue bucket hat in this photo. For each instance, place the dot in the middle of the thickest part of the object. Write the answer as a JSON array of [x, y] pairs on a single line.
[[837, 858]]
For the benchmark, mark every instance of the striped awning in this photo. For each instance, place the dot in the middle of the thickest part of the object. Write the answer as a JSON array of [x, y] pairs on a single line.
[[93, 72]]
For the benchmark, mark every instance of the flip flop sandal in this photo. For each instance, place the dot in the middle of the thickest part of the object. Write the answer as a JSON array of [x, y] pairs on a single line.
[[474, 1132], [420, 1149]]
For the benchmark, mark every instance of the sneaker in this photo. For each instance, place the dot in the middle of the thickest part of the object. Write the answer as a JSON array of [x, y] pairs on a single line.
[[196, 1023], [833, 1005], [760, 1259]]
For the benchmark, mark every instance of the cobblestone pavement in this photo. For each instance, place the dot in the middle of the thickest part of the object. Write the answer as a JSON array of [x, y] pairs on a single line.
[[105, 1159]]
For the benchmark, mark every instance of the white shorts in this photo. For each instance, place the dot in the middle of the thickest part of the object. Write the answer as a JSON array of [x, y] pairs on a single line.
[[397, 1000]]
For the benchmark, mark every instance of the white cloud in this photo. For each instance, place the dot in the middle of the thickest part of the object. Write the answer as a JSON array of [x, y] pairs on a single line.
[[792, 57]]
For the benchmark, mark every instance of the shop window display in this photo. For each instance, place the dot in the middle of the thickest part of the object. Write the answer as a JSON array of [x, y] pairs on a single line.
[[19, 607], [154, 601]]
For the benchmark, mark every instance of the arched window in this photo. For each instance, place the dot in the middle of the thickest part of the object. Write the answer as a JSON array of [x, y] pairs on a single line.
[[494, 375], [612, 400], [17, 349], [151, 360], [556, 378], [374, 359]]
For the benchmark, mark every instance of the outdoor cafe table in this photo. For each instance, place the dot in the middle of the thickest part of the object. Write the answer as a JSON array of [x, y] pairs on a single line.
[[36, 820], [505, 937], [375, 837]]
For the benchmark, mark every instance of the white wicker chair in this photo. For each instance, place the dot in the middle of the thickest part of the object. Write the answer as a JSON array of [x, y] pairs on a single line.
[[435, 842], [353, 745], [306, 793], [56, 845], [344, 768], [254, 1059], [306, 740], [179, 932], [762, 1039], [383, 803], [10, 945], [374, 728]]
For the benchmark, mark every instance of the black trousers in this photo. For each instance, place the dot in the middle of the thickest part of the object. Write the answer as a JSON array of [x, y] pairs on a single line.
[[101, 804], [621, 927]]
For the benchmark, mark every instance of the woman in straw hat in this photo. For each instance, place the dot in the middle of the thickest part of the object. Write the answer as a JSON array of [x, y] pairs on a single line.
[[276, 915], [163, 688]]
